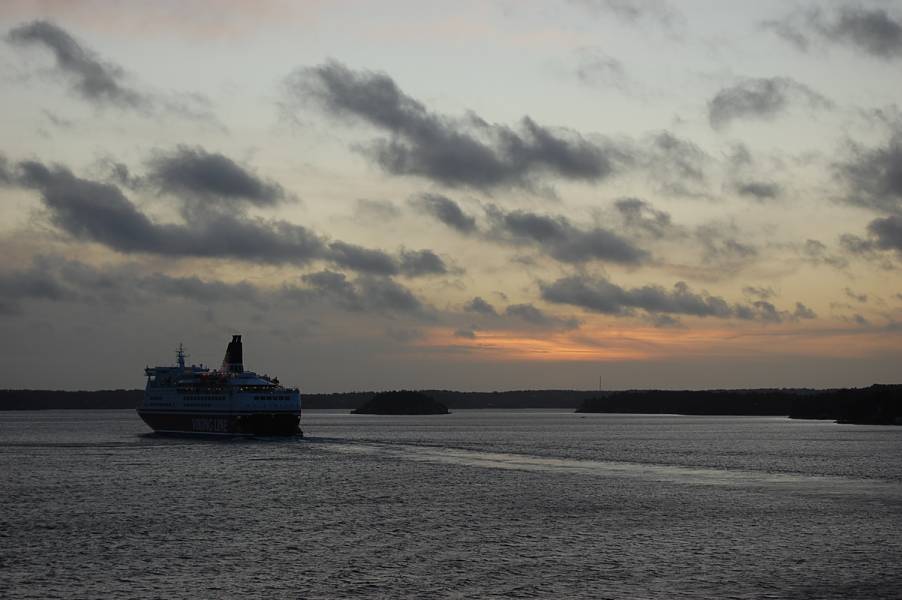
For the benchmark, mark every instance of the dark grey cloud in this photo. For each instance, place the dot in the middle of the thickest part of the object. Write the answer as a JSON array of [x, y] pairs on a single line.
[[639, 215], [873, 176], [92, 78], [873, 31], [887, 233], [883, 234], [364, 260], [445, 210], [100, 212], [560, 239], [816, 252], [682, 160], [336, 287], [35, 283], [213, 176], [722, 249], [762, 98], [603, 296], [58, 279], [883, 244], [538, 317], [417, 263], [103, 83], [759, 292], [480, 306], [410, 263], [759, 190], [803, 312], [469, 334], [452, 151], [366, 293], [199, 290]]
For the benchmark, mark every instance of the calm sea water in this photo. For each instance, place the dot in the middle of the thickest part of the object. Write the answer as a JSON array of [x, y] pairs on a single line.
[[477, 504]]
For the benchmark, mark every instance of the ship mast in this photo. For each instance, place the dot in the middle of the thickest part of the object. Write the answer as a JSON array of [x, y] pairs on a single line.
[[180, 355]]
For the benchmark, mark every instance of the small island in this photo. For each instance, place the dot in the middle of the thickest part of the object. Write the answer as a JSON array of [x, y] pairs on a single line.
[[401, 402]]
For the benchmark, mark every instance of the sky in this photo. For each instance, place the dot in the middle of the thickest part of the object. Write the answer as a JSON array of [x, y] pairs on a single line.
[[456, 195]]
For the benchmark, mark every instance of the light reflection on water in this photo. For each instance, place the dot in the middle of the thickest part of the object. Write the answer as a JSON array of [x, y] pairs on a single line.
[[483, 504], [662, 473]]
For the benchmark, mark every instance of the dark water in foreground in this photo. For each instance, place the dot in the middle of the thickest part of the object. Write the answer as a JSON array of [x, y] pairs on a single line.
[[477, 504]]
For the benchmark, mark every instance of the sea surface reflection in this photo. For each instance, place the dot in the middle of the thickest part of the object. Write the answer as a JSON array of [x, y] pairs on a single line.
[[485, 504]]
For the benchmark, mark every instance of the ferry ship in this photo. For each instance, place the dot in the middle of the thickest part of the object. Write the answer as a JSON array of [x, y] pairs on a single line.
[[226, 401]]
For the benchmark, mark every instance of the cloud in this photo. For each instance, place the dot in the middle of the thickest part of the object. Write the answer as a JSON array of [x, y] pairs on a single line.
[[887, 232], [445, 210], [596, 68], [603, 296], [873, 176], [536, 316], [759, 190], [452, 151], [364, 260], [872, 31], [720, 247], [816, 252], [857, 297], [480, 306], [469, 334], [762, 98], [882, 244], [410, 263], [639, 215], [557, 237], [58, 279], [211, 176], [883, 234], [676, 164], [35, 283], [100, 212], [761, 293], [6, 174], [379, 210], [103, 83], [803, 312], [196, 289], [417, 263], [630, 11], [367, 293], [92, 78]]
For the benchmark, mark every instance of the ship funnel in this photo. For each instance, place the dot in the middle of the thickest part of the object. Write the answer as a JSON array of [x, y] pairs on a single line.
[[233, 361]]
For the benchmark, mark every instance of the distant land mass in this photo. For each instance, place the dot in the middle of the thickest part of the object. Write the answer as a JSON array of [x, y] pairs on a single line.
[[877, 404], [401, 402]]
